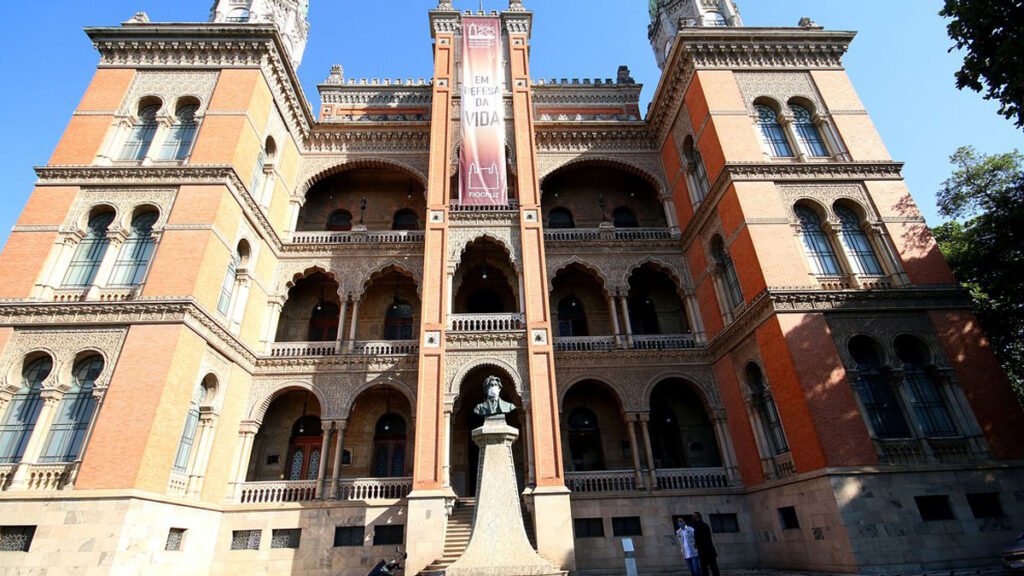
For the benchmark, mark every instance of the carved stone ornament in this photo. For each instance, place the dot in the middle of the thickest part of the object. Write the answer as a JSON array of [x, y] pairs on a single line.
[[884, 329], [335, 391], [353, 273], [613, 268], [826, 195], [779, 86], [64, 346], [170, 86], [319, 167], [646, 166], [124, 202], [458, 364], [632, 379]]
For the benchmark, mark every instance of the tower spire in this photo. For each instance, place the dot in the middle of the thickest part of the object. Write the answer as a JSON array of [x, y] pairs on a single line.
[[289, 16], [668, 16]]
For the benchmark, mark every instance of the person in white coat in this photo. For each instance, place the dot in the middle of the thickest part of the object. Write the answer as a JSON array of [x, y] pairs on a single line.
[[688, 546]]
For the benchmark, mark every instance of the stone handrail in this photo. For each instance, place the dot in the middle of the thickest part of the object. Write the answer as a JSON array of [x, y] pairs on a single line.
[[386, 347], [6, 474], [901, 451], [584, 343], [691, 478], [487, 322], [951, 450], [602, 481], [49, 476], [358, 237], [784, 465], [627, 234], [373, 488], [664, 342], [512, 206], [274, 492], [642, 234], [293, 349], [177, 484]]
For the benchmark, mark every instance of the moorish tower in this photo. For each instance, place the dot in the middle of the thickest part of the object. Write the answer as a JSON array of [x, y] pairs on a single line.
[[668, 16], [289, 16]]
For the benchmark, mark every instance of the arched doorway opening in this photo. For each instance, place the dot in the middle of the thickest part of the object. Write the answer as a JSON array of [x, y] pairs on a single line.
[[594, 430], [465, 455], [682, 435], [312, 311], [485, 281], [378, 439], [289, 442]]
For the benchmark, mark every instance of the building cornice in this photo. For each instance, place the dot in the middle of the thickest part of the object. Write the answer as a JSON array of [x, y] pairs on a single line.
[[334, 137], [740, 48], [150, 176], [216, 46], [566, 136], [187, 311]]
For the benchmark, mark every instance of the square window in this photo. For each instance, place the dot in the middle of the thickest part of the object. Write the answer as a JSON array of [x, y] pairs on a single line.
[[246, 539], [346, 457], [285, 538], [588, 527], [934, 508], [16, 538], [986, 505], [175, 537], [392, 535], [349, 535], [788, 519], [626, 526], [724, 523]]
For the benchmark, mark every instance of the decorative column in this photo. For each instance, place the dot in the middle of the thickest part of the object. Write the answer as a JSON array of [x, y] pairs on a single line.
[[102, 278], [614, 313], [338, 347], [294, 206], [631, 431], [645, 434], [960, 410], [241, 294], [725, 448], [57, 266], [201, 458], [246, 435], [339, 454], [446, 465], [833, 230], [670, 216], [51, 398], [693, 314], [890, 256], [321, 473], [898, 383], [275, 305], [629, 323], [355, 322], [99, 393], [786, 122]]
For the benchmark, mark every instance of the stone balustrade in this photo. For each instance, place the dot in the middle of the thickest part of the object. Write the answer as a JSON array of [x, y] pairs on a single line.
[[584, 343], [39, 477], [177, 484], [6, 474], [622, 234], [330, 348], [691, 478], [504, 322], [358, 237], [294, 349], [276, 492], [373, 488], [901, 451], [664, 342], [386, 347], [602, 481]]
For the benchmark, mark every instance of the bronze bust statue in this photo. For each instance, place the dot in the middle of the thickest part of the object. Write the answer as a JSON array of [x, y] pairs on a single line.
[[494, 405]]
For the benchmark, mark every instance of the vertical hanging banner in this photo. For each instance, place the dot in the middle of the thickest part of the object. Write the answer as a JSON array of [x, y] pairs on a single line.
[[482, 162]]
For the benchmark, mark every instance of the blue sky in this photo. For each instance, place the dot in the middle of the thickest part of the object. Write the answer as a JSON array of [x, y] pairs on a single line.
[[899, 64]]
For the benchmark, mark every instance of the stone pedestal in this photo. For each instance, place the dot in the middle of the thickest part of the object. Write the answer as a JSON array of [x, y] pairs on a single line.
[[498, 545]]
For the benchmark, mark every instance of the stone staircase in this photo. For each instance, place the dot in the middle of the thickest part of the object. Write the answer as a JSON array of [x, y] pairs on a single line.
[[460, 527]]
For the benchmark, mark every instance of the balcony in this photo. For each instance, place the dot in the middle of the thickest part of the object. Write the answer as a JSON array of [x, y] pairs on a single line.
[[691, 478], [602, 481], [585, 343], [639, 342], [37, 477], [359, 237], [675, 479], [503, 322], [348, 489], [331, 348], [595, 234]]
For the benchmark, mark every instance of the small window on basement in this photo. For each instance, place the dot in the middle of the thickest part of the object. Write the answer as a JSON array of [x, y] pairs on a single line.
[[392, 535], [788, 519], [285, 538], [16, 538], [347, 536], [626, 526], [175, 538], [246, 539], [986, 505], [724, 523], [934, 508], [588, 527]]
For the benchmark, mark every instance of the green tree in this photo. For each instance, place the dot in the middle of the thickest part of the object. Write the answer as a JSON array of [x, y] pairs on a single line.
[[984, 245], [990, 33]]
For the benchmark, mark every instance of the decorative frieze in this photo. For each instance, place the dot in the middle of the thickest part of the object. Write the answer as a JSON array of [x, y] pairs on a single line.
[[779, 86], [64, 346], [170, 86], [124, 202]]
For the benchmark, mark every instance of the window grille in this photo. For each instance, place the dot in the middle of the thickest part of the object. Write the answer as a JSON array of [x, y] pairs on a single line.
[[133, 260], [246, 539], [141, 136], [772, 133], [74, 413], [182, 134], [285, 538], [88, 256], [23, 411], [228, 286], [807, 132], [345, 536], [816, 245], [175, 538], [862, 255], [16, 538]]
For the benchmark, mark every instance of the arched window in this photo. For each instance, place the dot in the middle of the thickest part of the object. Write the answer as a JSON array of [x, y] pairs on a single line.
[[339, 221], [585, 441], [304, 449], [85, 263], [697, 171], [560, 218], [643, 315], [182, 134], [141, 137], [875, 391], [227, 287], [23, 410], [762, 401], [188, 434], [715, 20], [807, 132], [389, 446], [623, 217], [572, 319], [398, 321], [666, 438], [856, 243], [67, 433], [772, 134], [727, 273], [405, 219], [925, 400], [816, 245], [323, 322], [133, 260]]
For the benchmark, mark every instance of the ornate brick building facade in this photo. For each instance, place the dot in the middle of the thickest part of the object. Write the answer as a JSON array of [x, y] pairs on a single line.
[[237, 338]]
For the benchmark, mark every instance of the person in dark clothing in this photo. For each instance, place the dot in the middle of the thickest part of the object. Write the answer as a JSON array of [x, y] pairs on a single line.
[[705, 546]]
